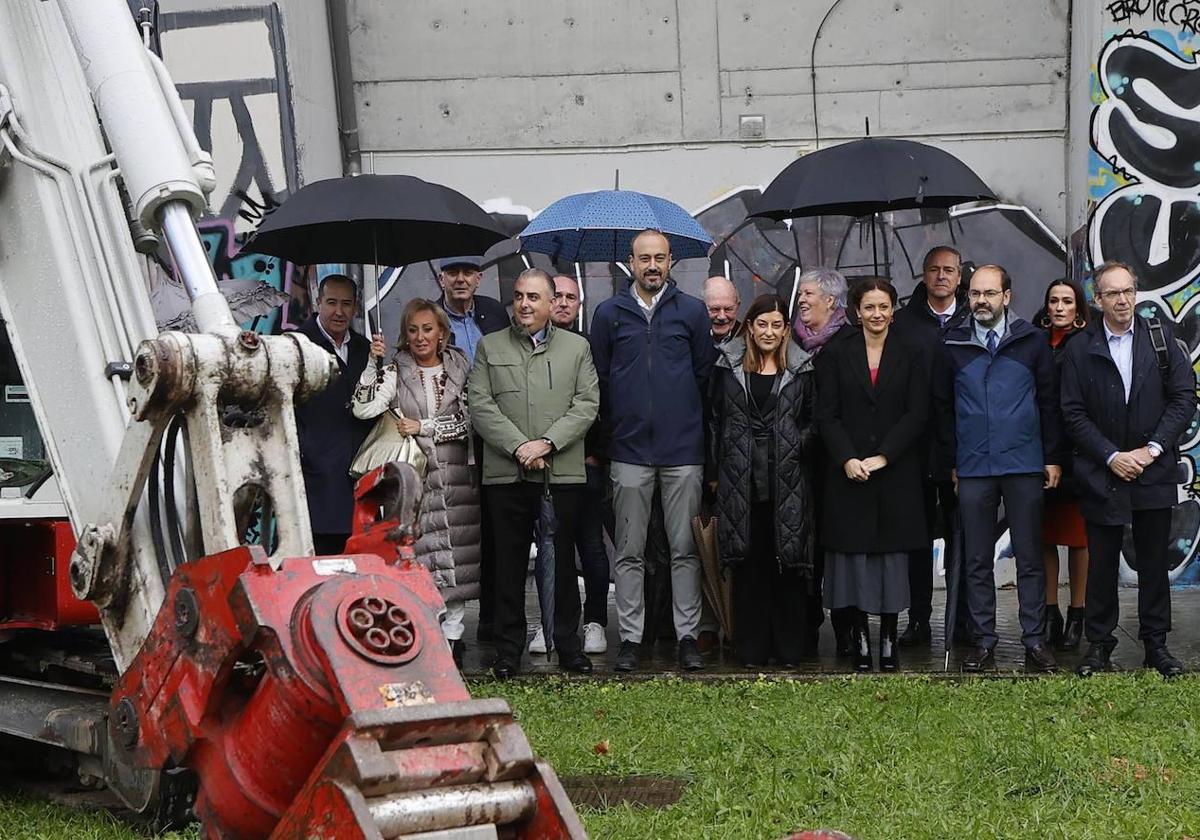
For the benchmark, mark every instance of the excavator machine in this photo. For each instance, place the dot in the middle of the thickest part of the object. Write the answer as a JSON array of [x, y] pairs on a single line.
[[268, 692]]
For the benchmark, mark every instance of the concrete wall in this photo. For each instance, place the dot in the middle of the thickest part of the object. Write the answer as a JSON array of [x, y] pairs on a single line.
[[531, 101]]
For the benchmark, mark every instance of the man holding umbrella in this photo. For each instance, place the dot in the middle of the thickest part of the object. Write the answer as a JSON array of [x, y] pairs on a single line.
[[533, 397], [654, 352]]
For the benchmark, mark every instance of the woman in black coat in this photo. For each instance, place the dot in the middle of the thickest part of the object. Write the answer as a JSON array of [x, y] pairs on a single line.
[[760, 445], [872, 407]]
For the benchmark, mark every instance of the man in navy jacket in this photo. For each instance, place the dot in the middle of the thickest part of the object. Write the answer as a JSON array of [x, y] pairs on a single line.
[[998, 428], [653, 354], [1125, 404]]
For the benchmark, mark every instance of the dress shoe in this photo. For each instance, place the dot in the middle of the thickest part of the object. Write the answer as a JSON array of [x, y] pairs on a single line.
[[504, 668], [1096, 661], [627, 657], [1161, 660], [1054, 626], [980, 659], [862, 645], [889, 652], [1073, 629], [457, 649], [1039, 660], [689, 655], [917, 632], [576, 663]]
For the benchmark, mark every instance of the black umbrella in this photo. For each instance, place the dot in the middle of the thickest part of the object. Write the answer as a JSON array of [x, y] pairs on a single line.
[[870, 176], [953, 562], [374, 219]]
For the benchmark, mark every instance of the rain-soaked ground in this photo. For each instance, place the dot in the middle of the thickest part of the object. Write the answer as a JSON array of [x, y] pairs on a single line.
[[1184, 642]]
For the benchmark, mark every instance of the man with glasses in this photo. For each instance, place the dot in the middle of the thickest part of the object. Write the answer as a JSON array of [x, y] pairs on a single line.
[[1128, 393], [997, 423]]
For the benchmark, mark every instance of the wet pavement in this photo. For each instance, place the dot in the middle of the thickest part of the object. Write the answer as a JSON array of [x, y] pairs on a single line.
[[660, 659]]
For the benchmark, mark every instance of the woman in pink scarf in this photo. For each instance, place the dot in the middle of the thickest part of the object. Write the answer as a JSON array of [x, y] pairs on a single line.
[[820, 307]]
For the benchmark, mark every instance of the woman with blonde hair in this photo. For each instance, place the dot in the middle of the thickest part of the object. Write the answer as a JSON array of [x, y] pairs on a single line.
[[426, 384]]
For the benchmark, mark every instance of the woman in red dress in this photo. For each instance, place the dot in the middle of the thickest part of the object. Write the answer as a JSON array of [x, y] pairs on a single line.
[[1063, 316]]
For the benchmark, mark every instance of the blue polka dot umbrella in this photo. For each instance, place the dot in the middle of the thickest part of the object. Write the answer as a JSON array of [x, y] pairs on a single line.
[[600, 226]]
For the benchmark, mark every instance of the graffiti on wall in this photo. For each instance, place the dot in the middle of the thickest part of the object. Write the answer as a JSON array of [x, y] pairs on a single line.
[[241, 114], [1144, 192]]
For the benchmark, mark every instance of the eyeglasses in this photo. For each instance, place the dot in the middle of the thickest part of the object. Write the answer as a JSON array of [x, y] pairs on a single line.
[[990, 294], [1114, 294]]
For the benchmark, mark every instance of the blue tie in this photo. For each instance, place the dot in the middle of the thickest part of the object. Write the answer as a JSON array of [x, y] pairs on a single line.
[[991, 342]]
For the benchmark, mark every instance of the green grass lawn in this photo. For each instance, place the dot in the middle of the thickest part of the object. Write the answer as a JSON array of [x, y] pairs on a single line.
[[905, 757]]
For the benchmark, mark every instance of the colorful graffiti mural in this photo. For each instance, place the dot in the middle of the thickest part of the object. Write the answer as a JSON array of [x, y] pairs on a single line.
[[1144, 193]]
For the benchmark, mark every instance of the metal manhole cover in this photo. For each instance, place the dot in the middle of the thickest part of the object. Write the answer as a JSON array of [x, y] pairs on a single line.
[[639, 791]]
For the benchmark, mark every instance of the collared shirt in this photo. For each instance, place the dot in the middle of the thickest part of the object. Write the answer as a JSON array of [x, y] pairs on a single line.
[[1000, 326], [538, 337], [648, 308], [466, 332], [1120, 347], [342, 350], [944, 317]]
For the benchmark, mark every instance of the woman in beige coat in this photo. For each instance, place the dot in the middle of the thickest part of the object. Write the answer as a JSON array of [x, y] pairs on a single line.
[[426, 382]]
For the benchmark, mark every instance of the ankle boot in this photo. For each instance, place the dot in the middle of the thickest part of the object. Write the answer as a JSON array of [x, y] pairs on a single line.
[[889, 649], [843, 631], [1073, 631], [862, 643], [1054, 626]]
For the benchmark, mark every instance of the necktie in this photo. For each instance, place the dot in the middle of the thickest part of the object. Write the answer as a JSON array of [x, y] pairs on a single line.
[[942, 319], [991, 342]]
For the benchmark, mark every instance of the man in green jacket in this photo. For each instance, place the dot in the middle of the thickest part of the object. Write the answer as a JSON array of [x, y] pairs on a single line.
[[533, 395]]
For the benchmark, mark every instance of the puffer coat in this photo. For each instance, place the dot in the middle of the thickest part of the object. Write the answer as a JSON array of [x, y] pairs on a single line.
[[449, 516], [784, 449]]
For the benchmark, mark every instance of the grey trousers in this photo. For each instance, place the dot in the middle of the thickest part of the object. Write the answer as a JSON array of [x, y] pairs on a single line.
[[979, 500], [633, 491]]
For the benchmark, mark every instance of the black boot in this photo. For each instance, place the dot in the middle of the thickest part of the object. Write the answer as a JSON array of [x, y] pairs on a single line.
[[1054, 626], [862, 643], [1073, 631], [843, 631], [889, 650]]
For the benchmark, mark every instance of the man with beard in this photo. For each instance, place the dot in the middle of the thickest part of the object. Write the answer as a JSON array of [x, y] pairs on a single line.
[[654, 353], [937, 304], [996, 404], [533, 397], [722, 301]]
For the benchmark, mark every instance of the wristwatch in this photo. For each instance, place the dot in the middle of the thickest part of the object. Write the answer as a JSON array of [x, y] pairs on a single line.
[[549, 443], [1154, 450]]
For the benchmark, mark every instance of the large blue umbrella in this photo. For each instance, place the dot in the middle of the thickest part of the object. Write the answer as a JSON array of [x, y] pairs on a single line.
[[600, 226]]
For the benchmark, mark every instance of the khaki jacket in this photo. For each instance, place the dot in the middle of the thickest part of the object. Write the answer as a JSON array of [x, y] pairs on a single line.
[[519, 393]]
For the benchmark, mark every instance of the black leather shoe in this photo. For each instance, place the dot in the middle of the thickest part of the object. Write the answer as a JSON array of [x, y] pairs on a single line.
[[457, 648], [1073, 629], [917, 633], [1054, 626], [576, 663], [627, 657], [980, 659], [689, 655], [504, 668], [1096, 661], [1039, 660], [1161, 660]]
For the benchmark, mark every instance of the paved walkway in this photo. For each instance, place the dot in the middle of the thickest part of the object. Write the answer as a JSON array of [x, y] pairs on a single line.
[[1184, 642]]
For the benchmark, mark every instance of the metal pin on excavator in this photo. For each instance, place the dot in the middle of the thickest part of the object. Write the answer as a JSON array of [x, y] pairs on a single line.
[[293, 696]]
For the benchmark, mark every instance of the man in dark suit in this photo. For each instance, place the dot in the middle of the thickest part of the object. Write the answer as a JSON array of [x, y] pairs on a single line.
[[1125, 403], [998, 427], [329, 433], [472, 316]]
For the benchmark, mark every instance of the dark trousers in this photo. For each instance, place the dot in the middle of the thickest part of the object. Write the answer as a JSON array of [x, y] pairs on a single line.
[[767, 601], [515, 509], [980, 500], [326, 544], [941, 504], [487, 547], [589, 542], [1151, 531]]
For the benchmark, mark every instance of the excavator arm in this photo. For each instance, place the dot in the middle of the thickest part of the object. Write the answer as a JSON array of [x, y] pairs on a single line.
[[311, 697]]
